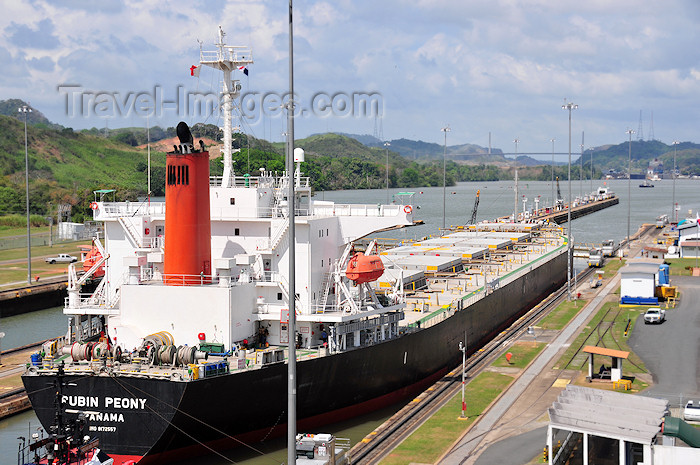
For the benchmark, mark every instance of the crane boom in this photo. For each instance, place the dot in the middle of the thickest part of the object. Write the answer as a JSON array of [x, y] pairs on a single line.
[[476, 206], [559, 203], [559, 197]]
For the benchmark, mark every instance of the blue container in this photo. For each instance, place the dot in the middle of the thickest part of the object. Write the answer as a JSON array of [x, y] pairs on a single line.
[[35, 359], [628, 300], [664, 273]]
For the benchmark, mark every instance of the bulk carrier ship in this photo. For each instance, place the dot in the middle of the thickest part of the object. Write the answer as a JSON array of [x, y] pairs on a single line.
[[180, 350]]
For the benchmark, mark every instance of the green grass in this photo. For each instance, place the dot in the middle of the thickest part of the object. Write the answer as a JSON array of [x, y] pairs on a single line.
[[612, 266], [8, 231], [614, 338], [431, 440], [17, 272], [64, 247], [561, 316], [680, 266], [522, 354]]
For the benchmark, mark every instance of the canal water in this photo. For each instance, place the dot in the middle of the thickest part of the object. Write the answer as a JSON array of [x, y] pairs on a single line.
[[496, 199]]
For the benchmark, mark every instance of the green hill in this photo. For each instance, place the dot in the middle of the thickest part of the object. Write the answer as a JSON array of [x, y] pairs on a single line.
[[335, 161], [65, 167], [616, 157], [35, 117], [338, 146]]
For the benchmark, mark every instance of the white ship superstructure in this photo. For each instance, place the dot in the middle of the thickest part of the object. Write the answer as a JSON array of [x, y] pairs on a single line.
[[249, 246]]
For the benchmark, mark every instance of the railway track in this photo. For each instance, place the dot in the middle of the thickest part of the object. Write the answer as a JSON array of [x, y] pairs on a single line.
[[384, 439]]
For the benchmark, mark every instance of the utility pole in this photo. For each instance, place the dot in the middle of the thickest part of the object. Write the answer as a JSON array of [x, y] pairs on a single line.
[[629, 186], [553, 199], [24, 109], [291, 197], [463, 348], [569, 106], [446, 129], [581, 170], [673, 173], [386, 149]]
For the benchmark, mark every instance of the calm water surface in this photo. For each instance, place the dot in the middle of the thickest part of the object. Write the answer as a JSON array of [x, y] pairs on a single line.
[[496, 199]]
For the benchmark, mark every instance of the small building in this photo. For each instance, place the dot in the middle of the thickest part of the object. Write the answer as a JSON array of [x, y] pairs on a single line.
[[616, 367], [690, 248], [70, 231], [593, 426], [638, 282], [689, 238]]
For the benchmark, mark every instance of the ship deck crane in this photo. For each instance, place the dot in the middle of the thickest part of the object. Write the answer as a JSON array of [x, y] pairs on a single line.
[[476, 206], [560, 199]]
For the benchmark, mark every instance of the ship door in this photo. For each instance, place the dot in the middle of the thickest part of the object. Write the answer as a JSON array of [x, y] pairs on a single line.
[[284, 333], [160, 231]]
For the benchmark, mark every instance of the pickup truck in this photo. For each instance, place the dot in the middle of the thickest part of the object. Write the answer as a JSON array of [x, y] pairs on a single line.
[[61, 258], [691, 411], [654, 315]]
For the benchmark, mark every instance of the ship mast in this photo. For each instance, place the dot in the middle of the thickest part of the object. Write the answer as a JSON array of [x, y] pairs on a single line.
[[227, 59], [292, 363]]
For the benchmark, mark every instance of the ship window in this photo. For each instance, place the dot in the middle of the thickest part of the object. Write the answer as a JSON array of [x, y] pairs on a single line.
[[321, 263], [233, 201], [326, 231], [279, 296], [237, 232]]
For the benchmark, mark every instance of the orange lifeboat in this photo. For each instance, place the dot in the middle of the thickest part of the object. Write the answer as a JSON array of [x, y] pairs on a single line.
[[364, 268], [92, 257]]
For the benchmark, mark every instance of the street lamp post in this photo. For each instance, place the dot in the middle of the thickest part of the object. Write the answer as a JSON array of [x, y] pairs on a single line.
[[673, 174], [581, 172], [569, 106], [386, 149], [148, 145], [463, 348], [446, 129], [629, 187], [553, 200], [25, 109], [515, 187], [591, 170]]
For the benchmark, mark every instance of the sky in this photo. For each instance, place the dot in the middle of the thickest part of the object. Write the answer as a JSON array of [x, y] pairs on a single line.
[[394, 69]]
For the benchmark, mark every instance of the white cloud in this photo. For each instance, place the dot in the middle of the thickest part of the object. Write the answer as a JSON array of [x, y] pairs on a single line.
[[501, 65]]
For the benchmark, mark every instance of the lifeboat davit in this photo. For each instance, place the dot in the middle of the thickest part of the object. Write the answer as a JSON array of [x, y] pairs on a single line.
[[364, 268], [92, 257]]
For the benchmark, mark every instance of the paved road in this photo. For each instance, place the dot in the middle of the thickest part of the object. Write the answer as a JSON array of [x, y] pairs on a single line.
[[671, 350], [527, 445]]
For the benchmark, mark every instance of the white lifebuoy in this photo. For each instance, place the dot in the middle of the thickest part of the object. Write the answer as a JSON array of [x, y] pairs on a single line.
[[407, 209], [93, 205]]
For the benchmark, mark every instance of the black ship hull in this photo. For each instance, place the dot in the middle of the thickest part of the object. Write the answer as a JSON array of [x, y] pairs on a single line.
[[162, 419]]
